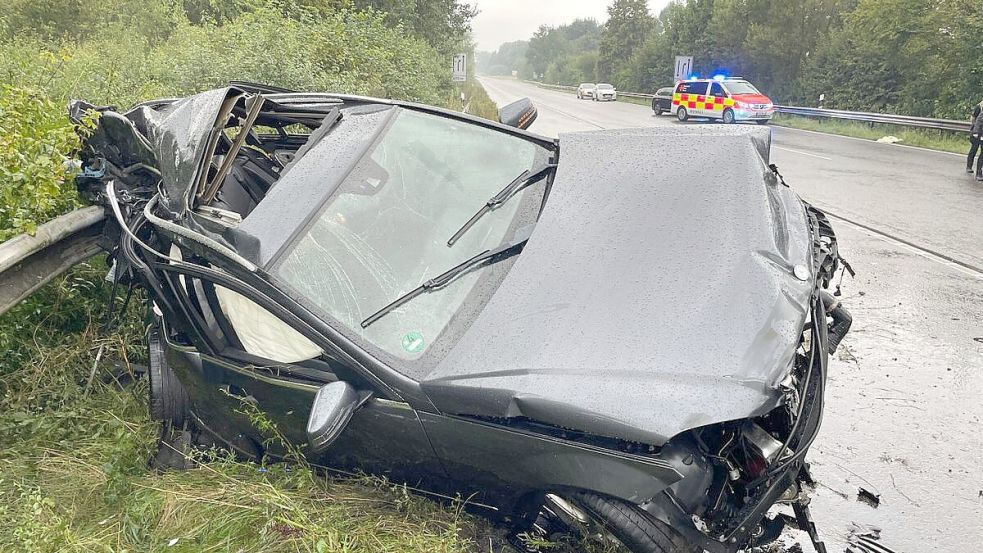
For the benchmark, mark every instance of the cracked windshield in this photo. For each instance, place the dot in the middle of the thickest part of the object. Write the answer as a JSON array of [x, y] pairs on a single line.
[[385, 231]]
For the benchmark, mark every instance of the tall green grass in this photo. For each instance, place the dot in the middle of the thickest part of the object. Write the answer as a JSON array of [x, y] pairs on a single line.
[[75, 440]]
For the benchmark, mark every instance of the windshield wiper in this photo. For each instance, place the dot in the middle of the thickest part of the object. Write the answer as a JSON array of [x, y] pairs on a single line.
[[483, 259], [524, 179]]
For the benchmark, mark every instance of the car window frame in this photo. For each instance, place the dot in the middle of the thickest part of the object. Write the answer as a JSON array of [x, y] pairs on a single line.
[[705, 84], [756, 91], [454, 329]]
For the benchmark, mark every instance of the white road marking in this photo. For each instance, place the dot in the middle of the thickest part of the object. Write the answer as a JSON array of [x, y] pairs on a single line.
[[968, 271], [801, 152]]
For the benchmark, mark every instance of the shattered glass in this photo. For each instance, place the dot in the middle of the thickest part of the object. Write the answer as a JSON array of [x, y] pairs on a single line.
[[385, 229]]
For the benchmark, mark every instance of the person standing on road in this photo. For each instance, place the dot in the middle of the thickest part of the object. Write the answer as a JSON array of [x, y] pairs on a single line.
[[976, 141]]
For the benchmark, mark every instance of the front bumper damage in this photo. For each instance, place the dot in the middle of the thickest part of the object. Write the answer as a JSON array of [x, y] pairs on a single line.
[[722, 521]]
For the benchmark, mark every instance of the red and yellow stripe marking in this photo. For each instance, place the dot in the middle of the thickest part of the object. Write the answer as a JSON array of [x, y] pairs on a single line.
[[699, 101]]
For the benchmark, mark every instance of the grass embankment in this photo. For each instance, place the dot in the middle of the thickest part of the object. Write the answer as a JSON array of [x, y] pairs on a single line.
[[476, 100], [75, 439], [947, 142]]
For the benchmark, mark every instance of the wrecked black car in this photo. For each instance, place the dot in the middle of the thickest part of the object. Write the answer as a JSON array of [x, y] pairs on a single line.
[[577, 336]]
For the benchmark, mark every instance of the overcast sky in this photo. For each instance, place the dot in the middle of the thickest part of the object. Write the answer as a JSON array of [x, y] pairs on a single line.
[[507, 20]]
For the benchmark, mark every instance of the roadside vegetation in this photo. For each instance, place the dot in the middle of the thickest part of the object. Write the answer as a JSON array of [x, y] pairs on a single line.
[[75, 436], [947, 142], [910, 57]]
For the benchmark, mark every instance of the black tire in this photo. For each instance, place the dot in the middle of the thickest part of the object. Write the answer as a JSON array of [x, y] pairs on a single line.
[[682, 114], [762, 121], [168, 398], [633, 527], [729, 117]]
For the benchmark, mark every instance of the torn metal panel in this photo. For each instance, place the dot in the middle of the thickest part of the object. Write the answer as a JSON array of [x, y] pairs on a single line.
[[653, 297], [185, 132]]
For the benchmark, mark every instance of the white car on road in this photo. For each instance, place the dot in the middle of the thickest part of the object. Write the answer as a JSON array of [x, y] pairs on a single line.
[[605, 92], [586, 90]]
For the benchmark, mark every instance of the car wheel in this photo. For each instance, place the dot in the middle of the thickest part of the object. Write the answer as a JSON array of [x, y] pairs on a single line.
[[729, 117], [173, 450], [682, 114], [762, 121], [168, 398], [628, 524]]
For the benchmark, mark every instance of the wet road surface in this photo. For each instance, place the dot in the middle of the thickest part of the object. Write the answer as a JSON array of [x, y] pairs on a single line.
[[904, 414]]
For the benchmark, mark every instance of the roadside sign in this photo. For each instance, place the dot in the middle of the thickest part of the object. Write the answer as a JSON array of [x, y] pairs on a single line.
[[460, 67], [684, 67]]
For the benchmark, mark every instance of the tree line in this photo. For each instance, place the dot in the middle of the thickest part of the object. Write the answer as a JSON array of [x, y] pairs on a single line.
[[915, 57]]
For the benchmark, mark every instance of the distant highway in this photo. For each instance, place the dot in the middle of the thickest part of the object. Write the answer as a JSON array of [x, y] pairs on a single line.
[[922, 197], [903, 414]]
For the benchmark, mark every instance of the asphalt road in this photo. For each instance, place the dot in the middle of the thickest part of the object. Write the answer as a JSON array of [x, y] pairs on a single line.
[[904, 414]]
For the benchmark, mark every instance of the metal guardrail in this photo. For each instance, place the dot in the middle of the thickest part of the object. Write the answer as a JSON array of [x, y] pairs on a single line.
[[861, 116], [29, 262], [881, 118]]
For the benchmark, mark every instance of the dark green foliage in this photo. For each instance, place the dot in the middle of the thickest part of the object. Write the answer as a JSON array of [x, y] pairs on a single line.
[[36, 182], [444, 24], [122, 55], [567, 53], [629, 22]]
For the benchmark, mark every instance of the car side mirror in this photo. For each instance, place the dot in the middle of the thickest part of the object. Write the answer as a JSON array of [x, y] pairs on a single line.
[[519, 114], [333, 407]]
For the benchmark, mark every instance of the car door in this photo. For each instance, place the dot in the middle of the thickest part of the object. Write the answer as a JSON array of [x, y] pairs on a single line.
[[716, 101], [664, 98], [258, 370]]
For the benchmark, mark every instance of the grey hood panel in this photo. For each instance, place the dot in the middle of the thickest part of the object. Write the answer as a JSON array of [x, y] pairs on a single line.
[[655, 295]]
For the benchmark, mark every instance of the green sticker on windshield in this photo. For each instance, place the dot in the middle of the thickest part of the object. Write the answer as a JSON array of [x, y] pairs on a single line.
[[413, 342]]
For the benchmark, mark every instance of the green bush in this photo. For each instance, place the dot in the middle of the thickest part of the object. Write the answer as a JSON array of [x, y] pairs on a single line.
[[35, 140], [342, 51]]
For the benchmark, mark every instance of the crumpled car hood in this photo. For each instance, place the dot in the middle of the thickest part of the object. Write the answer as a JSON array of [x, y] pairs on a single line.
[[656, 294]]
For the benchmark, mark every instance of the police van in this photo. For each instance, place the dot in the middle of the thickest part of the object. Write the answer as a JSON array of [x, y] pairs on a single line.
[[728, 99]]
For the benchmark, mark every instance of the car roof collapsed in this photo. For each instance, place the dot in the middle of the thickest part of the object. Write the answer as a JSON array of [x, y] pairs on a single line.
[[184, 148]]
